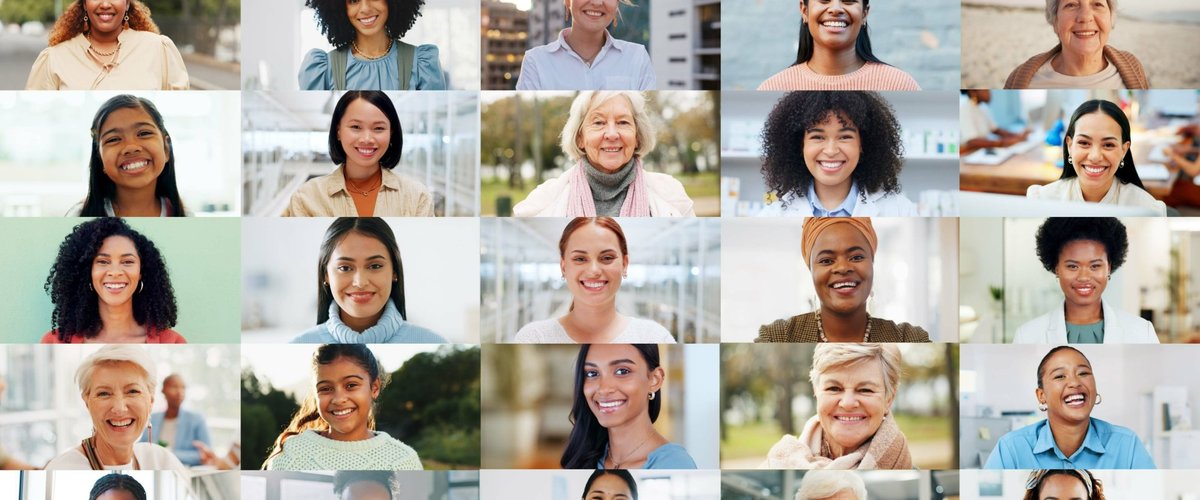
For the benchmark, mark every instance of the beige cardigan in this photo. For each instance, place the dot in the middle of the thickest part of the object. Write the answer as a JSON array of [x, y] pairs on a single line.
[[326, 196], [1127, 65], [146, 61]]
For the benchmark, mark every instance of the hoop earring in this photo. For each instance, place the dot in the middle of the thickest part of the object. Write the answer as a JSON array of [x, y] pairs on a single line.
[[126, 19], [1069, 161], [1098, 399], [652, 396], [141, 286], [1042, 407]]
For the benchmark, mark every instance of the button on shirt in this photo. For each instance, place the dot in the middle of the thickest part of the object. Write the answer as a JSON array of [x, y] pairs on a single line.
[[843, 210], [1105, 446], [619, 65]]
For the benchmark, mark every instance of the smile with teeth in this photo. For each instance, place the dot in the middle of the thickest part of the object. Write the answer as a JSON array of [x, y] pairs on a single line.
[[593, 285], [850, 418], [835, 24], [341, 413], [593, 13], [610, 406], [1085, 34], [1094, 169], [831, 166], [115, 286], [614, 149], [1085, 289], [366, 151], [136, 165], [121, 423], [369, 20], [1075, 400], [844, 284]]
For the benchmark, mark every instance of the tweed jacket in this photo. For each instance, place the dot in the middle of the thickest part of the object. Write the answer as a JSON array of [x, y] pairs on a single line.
[[1128, 66], [803, 328]]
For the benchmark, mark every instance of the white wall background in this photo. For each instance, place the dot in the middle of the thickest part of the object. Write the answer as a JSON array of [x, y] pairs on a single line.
[[569, 484]]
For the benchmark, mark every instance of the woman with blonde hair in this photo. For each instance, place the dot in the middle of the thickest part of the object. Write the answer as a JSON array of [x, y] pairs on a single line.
[[855, 385], [586, 56], [108, 45]]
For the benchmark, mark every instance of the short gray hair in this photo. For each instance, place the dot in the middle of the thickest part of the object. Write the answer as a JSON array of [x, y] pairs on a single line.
[[834, 355], [1052, 11], [116, 353], [586, 101], [825, 483]]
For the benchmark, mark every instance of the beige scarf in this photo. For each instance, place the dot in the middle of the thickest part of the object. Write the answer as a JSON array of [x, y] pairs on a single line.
[[887, 449]]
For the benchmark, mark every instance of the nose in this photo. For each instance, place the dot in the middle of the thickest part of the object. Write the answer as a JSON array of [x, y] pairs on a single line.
[[1094, 154], [357, 279], [830, 147], [119, 404], [848, 400]]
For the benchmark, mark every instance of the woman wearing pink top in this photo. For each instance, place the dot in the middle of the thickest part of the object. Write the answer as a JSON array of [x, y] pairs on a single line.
[[835, 52]]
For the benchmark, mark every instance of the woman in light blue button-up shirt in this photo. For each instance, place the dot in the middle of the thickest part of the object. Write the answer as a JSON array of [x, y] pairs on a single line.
[[586, 56]]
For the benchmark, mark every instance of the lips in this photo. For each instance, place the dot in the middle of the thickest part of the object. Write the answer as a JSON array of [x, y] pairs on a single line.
[[593, 285], [612, 149], [1085, 290], [106, 17], [610, 406], [830, 166], [1085, 34], [134, 166], [595, 14], [369, 21], [120, 424], [1076, 400], [115, 287], [845, 287], [341, 414], [850, 419], [361, 297], [835, 26], [366, 152], [1094, 170]]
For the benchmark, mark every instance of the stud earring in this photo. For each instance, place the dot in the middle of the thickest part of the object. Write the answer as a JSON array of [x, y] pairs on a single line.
[[1042, 406], [1069, 161], [90, 287], [1121, 164]]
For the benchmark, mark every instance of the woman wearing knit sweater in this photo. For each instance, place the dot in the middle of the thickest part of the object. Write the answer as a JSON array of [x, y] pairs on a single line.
[[835, 52], [1082, 59], [334, 429]]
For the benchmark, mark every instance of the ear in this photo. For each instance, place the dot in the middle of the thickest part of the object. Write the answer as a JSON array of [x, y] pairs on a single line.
[[1040, 394], [657, 377], [624, 263], [1124, 149], [562, 266], [1067, 140], [167, 144], [375, 389], [803, 11]]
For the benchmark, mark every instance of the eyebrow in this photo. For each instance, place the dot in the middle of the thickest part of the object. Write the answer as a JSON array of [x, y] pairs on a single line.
[[611, 363], [136, 126], [818, 128], [1061, 368], [1111, 137], [1093, 260], [585, 251], [851, 249], [352, 259], [319, 382], [839, 382], [103, 254]]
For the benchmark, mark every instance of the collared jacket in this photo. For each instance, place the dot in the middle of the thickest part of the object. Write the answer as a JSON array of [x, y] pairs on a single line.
[[189, 426], [665, 195], [1120, 193], [1128, 66], [1120, 327], [803, 329], [877, 204], [326, 196]]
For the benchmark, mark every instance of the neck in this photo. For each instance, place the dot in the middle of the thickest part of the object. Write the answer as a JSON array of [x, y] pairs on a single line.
[[360, 324], [109, 38], [136, 202], [1083, 314], [1095, 194], [358, 434], [113, 455], [832, 197], [585, 44], [372, 45], [1079, 65], [358, 173], [1068, 436], [588, 324], [849, 327], [172, 412], [118, 323], [632, 442], [835, 450], [830, 62]]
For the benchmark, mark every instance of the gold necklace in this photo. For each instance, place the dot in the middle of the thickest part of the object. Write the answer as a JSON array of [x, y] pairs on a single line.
[[359, 190], [371, 58], [617, 463], [821, 330]]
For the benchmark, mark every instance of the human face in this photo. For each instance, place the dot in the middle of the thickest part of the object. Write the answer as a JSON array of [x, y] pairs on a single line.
[[345, 392], [608, 487], [609, 134], [1082, 27], [366, 490], [593, 265], [834, 24], [174, 390], [360, 276], [132, 149], [1063, 487], [365, 134], [1083, 272], [105, 16], [119, 402], [116, 271], [617, 384], [1096, 151], [842, 268], [831, 151], [116, 495], [369, 17], [592, 15], [1068, 387], [851, 404]]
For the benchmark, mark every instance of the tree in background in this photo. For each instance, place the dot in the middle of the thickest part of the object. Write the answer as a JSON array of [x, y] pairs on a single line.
[[432, 403], [265, 412]]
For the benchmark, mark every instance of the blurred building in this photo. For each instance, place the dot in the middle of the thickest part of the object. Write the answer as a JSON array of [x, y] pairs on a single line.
[[546, 19], [505, 29], [686, 36]]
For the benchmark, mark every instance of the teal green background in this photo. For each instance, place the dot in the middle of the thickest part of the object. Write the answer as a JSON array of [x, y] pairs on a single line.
[[203, 257]]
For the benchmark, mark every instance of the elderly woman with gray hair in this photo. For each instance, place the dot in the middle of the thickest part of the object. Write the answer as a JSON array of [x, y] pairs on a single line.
[[607, 134], [117, 384], [854, 385], [1083, 59]]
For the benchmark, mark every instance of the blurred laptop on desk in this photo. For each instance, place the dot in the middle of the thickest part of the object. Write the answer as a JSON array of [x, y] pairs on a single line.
[[996, 156], [973, 204]]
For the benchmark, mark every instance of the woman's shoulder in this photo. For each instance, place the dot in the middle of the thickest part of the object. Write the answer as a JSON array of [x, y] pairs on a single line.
[[670, 456], [545, 331], [642, 331], [788, 79], [399, 456], [407, 183], [1058, 189], [799, 328], [892, 204], [427, 69], [157, 457], [1020, 76], [413, 334], [545, 195], [1131, 194], [314, 71], [72, 459], [315, 335], [1033, 331], [888, 77], [165, 336], [885, 330], [51, 337]]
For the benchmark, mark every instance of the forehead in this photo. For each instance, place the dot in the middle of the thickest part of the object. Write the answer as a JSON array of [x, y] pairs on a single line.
[[859, 372], [833, 119], [365, 490], [359, 246], [125, 117], [593, 236], [339, 368], [610, 484], [1097, 125], [840, 237], [362, 110], [1063, 487], [1083, 248], [1066, 358], [615, 105], [118, 373], [118, 245], [603, 353]]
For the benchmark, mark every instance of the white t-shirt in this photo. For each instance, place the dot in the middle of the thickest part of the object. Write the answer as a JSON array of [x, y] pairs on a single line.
[[149, 457], [973, 120], [550, 331], [1047, 78]]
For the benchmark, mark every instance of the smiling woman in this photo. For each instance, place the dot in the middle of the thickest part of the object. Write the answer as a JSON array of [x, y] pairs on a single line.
[[586, 56], [1083, 59], [368, 53]]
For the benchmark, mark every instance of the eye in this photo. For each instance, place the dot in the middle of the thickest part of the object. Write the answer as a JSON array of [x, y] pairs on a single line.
[[825, 261], [112, 140], [833, 388], [858, 258], [866, 391], [380, 129], [103, 394], [352, 385], [623, 371], [323, 389], [134, 391], [375, 266], [102, 262], [145, 133], [1059, 376], [579, 259], [591, 373], [342, 268], [1084, 373]]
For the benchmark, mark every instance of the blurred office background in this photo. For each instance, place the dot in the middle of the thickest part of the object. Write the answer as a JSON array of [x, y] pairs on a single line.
[[673, 277], [318, 485], [880, 484], [520, 144], [766, 393], [528, 391], [159, 485], [285, 142], [765, 277], [683, 38], [569, 484], [43, 414], [279, 280], [929, 131], [281, 33], [1142, 387], [45, 148], [1003, 284], [1010, 484], [208, 35]]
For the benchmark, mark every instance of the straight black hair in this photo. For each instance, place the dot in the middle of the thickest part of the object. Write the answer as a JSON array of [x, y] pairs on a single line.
[[621, 473], [585, 446], [380, 100], [101, 187], [1127, 174], [862, 44], [372, 227]]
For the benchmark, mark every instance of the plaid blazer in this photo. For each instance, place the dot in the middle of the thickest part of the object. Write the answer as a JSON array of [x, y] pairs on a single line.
[[803, 328]]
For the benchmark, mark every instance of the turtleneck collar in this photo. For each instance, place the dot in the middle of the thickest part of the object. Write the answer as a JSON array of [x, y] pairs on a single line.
[[388, 326], [606, 186]]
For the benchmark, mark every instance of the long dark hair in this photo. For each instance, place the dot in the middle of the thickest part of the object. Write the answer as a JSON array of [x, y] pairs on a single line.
[[1126, 174], [862, 44], [308, 417], [621, 473], [100, 186], [585, 446], [372, 227]]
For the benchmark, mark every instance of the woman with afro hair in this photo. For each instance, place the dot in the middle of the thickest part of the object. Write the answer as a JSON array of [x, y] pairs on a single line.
[[368, 53], [833, 154], [1083, 252], [107, 45], [109, 284]]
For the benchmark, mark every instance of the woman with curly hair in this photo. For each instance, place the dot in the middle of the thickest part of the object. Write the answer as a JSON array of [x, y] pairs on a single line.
[[1049, 484], [132, 168], [108, 45], [835, 52], [368, 53], [109, 284], [1083, 252], [833, 154]]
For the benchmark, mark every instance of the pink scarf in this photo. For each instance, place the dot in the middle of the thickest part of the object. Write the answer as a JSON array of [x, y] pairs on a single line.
[[887, 449], [581, 204]]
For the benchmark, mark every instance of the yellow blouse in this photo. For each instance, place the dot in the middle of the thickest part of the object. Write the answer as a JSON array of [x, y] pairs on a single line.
[[146, 61], [326, 196]]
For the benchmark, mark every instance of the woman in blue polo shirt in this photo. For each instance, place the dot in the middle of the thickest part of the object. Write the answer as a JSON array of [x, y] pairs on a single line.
[[1069, 438]]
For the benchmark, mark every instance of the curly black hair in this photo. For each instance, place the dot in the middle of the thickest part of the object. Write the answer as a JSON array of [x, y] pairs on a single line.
[[878, 169], [1056, 232], [117, 482], [76, 305], [335, 22]]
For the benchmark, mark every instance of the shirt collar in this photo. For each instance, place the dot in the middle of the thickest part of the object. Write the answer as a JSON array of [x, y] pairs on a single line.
[[561, 43], [843, 210], [1045, 440], [336, 182]]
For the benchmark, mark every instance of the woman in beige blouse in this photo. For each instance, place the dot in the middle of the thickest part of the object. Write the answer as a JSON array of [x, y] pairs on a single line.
[[365, 141], [109, 45]]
